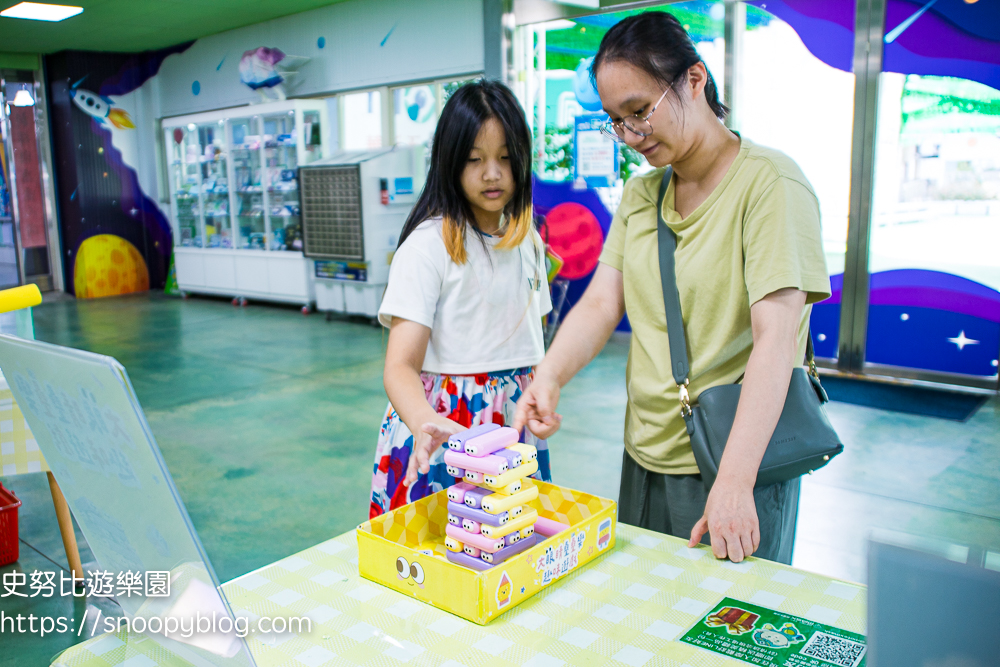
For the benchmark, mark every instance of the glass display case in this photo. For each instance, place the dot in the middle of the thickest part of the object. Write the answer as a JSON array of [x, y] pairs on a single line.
[[185, 186], [248, 188], [234, 197]]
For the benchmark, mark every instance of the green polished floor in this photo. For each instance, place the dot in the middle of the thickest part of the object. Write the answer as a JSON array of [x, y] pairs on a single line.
[[268, 421]]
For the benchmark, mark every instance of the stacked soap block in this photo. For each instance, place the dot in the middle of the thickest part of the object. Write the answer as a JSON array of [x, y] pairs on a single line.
[[489, 519]]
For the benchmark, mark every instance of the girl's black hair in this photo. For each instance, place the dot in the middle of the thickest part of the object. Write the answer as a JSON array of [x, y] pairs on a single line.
[[461, 119], [657, 44]]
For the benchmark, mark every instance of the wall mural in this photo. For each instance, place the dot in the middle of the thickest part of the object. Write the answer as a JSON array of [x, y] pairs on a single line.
[[950, 50], [115, 237]]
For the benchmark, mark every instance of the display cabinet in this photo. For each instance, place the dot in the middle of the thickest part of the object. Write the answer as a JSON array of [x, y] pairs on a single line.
[[234, 198]]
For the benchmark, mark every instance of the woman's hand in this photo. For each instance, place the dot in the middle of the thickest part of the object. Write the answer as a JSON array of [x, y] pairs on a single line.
[[426, 440], [536, 408], [730, 519], [730, 512]]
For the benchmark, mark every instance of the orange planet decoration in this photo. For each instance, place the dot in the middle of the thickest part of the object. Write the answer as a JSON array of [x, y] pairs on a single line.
[[108, 265]]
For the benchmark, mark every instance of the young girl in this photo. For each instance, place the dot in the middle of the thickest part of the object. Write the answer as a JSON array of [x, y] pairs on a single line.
[[465, 299]]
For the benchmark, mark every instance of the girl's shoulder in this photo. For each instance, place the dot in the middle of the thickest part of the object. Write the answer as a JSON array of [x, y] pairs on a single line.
[[426, 237]]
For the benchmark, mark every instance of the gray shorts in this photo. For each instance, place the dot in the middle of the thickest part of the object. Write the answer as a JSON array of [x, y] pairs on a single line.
[[673, 504]]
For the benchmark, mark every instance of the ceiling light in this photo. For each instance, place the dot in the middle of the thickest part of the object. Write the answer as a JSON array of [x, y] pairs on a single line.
[[23, 99], [41, 12]]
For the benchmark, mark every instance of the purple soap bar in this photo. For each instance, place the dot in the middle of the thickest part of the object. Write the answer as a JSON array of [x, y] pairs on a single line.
[[513, 458], [512, 538], [460, 558], [457, 441], [474, 497], [487, 443], [476, 515], [455, 471], [507, 552]]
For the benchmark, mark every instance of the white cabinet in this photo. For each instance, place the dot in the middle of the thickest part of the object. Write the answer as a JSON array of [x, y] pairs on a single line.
[[234, 196]]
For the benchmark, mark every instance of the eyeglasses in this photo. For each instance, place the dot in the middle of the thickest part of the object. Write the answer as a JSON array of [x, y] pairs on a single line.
[[638, 126]]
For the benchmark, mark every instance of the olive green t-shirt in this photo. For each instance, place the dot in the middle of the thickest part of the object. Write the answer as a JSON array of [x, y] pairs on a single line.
[[758, 232]]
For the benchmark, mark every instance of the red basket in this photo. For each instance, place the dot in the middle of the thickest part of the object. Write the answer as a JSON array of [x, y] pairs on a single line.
[[9, 547]]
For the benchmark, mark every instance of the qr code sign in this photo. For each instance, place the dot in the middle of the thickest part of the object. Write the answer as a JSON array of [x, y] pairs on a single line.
[[835, 650]]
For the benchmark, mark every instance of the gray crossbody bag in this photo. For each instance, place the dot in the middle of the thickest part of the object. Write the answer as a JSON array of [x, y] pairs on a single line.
[[804, 439]]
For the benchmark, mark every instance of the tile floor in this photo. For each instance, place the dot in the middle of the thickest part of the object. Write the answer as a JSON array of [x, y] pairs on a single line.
[[267, 421]]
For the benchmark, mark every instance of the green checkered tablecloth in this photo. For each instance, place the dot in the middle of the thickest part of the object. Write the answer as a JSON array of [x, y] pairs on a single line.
[[623, 609]]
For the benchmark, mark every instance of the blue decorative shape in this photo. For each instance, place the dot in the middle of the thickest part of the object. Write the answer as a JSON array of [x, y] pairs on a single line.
[[583, 87], [195, 88], [321, 42], [219, 66], [387, 35]]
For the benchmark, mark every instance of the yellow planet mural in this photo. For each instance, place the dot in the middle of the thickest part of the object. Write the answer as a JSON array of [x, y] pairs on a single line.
[[108, 265]]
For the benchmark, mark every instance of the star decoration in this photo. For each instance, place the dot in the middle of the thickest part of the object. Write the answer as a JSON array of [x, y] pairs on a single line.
[[133, 211], [962, 341]]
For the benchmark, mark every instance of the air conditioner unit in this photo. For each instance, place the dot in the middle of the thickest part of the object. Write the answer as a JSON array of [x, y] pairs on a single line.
[[354, 205]]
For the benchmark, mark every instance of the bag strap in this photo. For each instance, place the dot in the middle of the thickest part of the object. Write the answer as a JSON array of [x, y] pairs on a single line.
[[667, 242]]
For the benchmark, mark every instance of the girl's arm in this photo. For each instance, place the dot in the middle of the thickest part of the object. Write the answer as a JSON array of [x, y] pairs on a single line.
[[730, 514], [581, 336], [404, 359]]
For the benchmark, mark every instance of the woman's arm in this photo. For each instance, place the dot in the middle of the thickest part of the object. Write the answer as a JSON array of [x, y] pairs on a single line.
[[730, 514], [404, 359], [582, 335]]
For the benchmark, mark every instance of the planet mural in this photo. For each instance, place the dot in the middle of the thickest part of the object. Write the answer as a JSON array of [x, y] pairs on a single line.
[[575, 235], [108, 265]]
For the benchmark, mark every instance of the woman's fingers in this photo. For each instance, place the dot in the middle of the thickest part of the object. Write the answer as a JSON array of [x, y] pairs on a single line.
[[698, 532], [746, 542], [525, 411], [546, 428]]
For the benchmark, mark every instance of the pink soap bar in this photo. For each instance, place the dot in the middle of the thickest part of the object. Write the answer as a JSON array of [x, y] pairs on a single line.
[[488, 465], [473, 476], [487, 443], [457, 441], [471, 550], [548, 527], [456, 493], [476, 540], [499, 556], [471, 526]]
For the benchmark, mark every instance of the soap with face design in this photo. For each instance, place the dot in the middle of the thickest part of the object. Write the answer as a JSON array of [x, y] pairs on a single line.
[[457, 441]]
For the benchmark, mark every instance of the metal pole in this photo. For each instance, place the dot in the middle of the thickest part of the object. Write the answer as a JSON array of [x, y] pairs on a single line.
[[735, 26], [868, 42]]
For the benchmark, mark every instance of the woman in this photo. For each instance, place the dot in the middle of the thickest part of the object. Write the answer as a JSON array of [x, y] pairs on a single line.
[[749, 260]]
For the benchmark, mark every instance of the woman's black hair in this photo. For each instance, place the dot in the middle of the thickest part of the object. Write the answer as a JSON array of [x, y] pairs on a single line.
[[461, 119], [657, 44]]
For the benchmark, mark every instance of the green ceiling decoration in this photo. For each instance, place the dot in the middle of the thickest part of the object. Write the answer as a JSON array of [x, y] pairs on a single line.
[[140, 25]]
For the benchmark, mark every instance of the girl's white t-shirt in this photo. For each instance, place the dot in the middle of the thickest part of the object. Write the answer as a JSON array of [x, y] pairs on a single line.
[[484, 315]]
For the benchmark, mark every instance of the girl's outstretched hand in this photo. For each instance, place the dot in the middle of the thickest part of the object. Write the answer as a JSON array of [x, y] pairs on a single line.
[[431, 436], [536, 408]]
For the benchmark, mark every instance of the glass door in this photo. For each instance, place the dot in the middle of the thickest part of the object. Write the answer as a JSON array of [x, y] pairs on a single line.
[[247, 182], [281, 196], [769, 112], [215, 184], [184, 159], [933, 262]]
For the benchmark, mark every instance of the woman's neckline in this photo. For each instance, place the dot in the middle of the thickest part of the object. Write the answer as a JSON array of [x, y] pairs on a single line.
[[671, 198]]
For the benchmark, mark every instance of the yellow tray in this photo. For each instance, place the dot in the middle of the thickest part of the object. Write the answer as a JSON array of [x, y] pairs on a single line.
[[404, 550]]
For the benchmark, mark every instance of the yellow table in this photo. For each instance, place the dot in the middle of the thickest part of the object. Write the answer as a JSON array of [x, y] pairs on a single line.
[[623, 609]]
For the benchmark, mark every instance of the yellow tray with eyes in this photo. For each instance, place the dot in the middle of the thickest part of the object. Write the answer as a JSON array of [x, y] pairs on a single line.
[[404, 550]]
